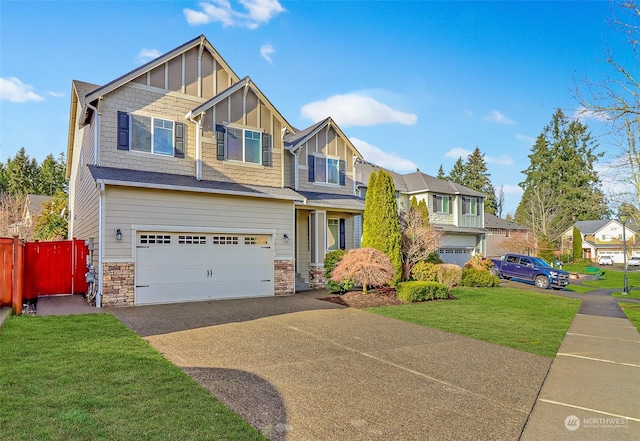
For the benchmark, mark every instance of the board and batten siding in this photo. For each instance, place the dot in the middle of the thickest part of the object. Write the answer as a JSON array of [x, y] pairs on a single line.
[[196, 212], [302, 237]]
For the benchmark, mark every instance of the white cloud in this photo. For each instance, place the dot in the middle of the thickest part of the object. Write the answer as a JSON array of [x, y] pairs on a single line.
[[511, 189], [583, 113], [464, 153], [526, 138], [266, 51], [497, 117], [15, 91], [56, 94], [146, 55], [354, 109], [257, 12], [375, 155]]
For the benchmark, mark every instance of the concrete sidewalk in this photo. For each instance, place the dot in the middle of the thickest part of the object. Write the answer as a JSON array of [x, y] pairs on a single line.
[[592, 390]]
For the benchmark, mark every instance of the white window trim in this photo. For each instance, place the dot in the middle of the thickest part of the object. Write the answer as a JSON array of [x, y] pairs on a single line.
[[153, 117], [443, 196], [243, 128]]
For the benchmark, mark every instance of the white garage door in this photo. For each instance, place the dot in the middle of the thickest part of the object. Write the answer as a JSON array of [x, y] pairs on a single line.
[[457, 256], [181, 267]]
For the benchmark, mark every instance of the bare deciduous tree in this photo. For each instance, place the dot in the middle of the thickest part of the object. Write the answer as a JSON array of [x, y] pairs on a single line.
[[11, 207], [418, 240]]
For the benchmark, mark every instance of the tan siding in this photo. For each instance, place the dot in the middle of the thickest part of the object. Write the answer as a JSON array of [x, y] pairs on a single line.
[[265, 118], [223, 80], [208, 126], [222, 114], [288, 170], [305, 185], [277, 135], [207, 75], [126, 207], [252, 109], [191, 72], [157, 77], [175, 74], [236, 108], [142, 79], [133, 100]]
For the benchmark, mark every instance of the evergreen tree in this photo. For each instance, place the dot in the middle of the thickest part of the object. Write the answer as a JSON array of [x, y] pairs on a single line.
[[22, 174], [441, 174], [381, 225], [476, 177], [52, 223], [3, 178], [457, 172], [577, 244], [561, 183], [52, 176]]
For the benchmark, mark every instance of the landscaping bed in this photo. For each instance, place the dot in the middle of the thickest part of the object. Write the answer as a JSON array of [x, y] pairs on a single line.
[[373, 299]]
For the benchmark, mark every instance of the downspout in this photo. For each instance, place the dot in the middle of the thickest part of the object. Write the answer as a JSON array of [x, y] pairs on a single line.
[[100, 244], [96, 134], [197, 122]]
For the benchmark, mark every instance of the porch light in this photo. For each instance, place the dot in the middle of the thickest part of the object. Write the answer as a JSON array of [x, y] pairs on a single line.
[[286, 237], [118, 234]]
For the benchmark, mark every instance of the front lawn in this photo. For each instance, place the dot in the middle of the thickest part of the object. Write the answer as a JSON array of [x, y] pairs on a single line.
[[88, 377], [519, 319], [632, 310]]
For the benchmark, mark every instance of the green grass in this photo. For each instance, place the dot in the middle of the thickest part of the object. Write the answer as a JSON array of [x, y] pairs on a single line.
[[632, 310], [88, 377], [510, 317]]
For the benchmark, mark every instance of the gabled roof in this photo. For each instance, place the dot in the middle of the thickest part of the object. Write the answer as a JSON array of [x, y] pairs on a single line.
[[495, 222], [293, 140], [591, 227], [200, 40], [33, 204], [245, 82], [167, 181], [416, 182]]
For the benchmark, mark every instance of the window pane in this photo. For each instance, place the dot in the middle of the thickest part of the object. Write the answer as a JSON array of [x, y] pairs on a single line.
[[141, 133], [253, 147], [333, 171], [163, 137], [234, 144], [321, 169], [445, 204], [333, 234]]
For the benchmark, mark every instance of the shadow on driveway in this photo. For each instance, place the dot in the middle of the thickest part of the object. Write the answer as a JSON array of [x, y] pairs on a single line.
[[168, 318]]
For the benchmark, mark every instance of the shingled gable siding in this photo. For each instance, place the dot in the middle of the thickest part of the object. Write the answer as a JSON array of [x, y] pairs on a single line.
[[132, 99]]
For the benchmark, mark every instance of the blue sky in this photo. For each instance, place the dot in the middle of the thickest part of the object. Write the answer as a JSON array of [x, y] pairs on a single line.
[[413, 84]]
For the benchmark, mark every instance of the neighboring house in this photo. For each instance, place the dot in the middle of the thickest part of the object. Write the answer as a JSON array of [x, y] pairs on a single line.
[[603, 238], [193, 186], [32, 209], [456, 210], [504, 236]]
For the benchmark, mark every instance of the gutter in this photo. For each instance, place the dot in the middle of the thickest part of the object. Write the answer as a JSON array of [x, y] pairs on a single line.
[[197, 122]]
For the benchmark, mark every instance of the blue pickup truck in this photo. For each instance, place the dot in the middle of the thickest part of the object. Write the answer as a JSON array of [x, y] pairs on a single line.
[[530, 268]]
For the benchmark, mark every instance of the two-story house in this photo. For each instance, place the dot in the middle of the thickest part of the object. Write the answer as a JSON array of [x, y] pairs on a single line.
[[456, 210], [603, 238], [193, 186], [504, 236]]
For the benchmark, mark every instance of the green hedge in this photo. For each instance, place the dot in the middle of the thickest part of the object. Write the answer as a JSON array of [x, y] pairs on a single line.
[[419, 291], [479, 278], [331, 259]]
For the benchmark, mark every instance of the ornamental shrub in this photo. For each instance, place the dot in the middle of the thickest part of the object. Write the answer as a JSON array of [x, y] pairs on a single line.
[[366, 266], [479, 278], [331, 259], [449, 275], [417, 291], [479, 262], [424, 271], [434, 258]]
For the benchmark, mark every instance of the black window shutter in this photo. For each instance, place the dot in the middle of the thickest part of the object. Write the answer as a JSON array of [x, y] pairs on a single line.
[[123, 131], [435, 203], [342, 235], [342, 167], [450, 204], [179, 140], [266, 149], [312, 168], [220, 142]]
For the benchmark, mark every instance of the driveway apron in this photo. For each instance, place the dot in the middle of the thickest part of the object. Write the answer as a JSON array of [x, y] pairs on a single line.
[[298, 368]]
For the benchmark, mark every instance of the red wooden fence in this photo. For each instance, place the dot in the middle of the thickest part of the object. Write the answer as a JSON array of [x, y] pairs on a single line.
[[41, 268]]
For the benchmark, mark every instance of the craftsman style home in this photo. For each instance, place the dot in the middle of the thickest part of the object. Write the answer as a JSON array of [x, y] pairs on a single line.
[[456, 210], [603, 238], [193, 186]]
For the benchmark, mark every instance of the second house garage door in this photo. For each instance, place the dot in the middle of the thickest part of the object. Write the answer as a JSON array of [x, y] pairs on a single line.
[[182, 267]]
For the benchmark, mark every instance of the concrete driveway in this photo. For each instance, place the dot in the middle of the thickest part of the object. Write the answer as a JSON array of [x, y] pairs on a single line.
[[298, 368]]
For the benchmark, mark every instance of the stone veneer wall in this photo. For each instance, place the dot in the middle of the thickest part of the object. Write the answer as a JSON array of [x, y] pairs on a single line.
[[118, 283], [316, 277], [285, 278]]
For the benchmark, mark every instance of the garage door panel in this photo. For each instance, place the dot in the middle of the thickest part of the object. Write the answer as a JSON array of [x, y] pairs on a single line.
[[188, 267]]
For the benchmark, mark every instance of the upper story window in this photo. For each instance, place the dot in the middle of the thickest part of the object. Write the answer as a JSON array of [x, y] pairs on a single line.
[[470, 206], [150, 135], [327, 170], [441, 204], [243, 145]]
